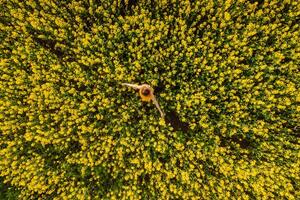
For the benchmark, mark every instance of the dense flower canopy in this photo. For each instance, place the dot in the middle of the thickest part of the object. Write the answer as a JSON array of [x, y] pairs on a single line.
[[226, 73]]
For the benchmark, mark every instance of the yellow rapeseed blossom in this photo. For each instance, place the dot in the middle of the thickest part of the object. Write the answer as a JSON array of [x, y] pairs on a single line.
[[226, 74]]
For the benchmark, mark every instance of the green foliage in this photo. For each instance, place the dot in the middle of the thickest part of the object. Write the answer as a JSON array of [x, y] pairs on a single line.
[[7, 192]]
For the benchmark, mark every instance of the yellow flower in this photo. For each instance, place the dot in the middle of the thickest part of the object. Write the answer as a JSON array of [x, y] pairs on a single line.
[[227, 16]]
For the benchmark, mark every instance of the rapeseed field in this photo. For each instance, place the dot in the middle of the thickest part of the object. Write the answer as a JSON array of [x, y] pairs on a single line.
[[225, 74]]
